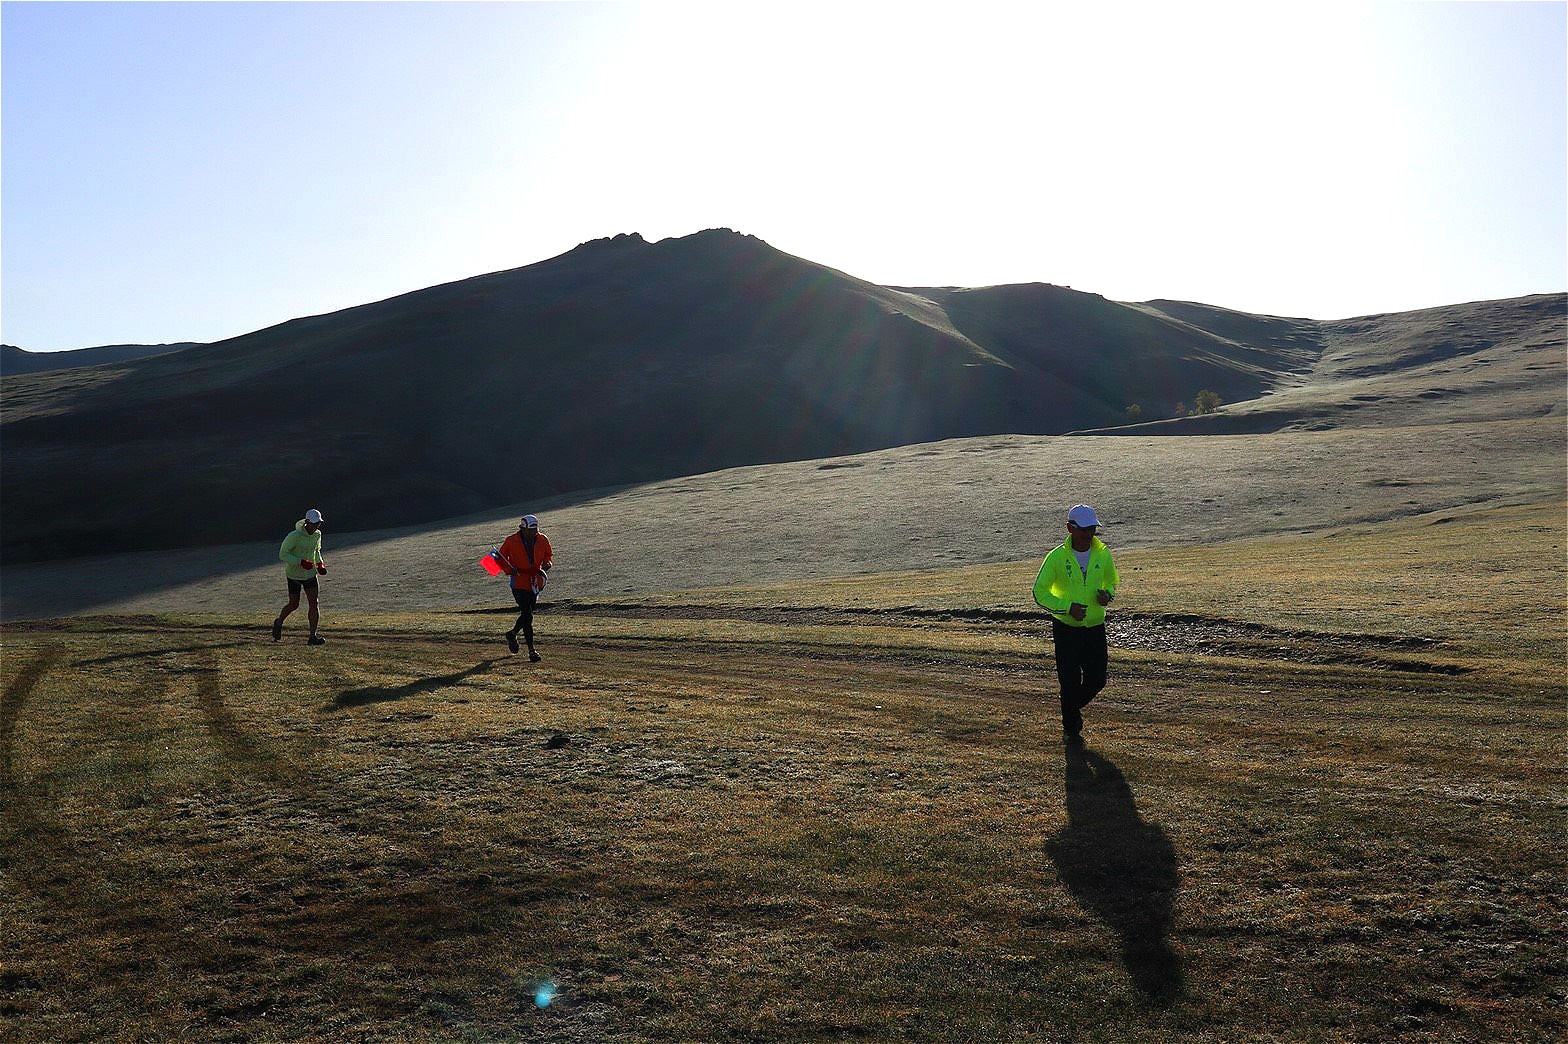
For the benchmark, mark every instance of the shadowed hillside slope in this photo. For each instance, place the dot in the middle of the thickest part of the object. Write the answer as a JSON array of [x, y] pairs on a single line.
[[624, 361], [1110, 352], [1485, 360], [619, 361]]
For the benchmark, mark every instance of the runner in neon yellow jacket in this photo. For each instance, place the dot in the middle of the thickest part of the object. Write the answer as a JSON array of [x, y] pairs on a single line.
[[1076, 582]]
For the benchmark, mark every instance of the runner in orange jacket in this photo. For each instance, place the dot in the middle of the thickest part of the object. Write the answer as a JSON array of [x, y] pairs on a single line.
[[526, 557]]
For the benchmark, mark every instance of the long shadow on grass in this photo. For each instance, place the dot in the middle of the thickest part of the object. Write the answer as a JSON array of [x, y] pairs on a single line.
[[1120, 868], [384, 693], [391, 897], [147, 654]]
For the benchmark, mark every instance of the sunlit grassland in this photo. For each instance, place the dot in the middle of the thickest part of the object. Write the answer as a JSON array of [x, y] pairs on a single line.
[[1487, 582], [1321, 800]]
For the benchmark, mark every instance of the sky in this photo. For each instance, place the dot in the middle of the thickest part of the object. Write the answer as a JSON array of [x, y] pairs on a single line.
[[195, 171]]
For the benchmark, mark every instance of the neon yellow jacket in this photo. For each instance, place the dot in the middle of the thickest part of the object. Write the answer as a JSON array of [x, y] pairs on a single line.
[[1061, 582], [298, 546]]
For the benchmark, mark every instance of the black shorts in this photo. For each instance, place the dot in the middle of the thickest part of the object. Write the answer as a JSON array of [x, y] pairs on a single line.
[[526, 599], [295, 585]]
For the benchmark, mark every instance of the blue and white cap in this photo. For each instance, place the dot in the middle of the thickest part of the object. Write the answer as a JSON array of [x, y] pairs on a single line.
[[530, 522]]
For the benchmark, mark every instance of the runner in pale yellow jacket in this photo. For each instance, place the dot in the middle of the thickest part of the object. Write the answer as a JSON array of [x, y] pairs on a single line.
[[301, 555]]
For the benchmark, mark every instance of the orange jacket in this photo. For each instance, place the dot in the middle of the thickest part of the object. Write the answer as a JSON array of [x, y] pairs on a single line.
[[526, 567]]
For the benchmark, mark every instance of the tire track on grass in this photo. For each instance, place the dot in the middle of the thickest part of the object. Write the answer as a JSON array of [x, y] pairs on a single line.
[[11, 701], [257, 755], [389, 881], [384, 880], [83, 893]]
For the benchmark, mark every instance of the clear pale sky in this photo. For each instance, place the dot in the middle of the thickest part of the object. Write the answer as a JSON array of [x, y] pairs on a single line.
[[194, 171]]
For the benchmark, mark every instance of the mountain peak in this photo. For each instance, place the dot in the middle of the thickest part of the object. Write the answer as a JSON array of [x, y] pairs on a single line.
[[624, 239], [721, 233]]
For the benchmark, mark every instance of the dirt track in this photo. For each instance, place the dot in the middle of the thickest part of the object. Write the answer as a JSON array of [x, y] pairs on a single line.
[[1184, 634]]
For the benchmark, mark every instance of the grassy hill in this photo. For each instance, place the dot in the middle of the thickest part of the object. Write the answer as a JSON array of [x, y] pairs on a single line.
[[1486, 360], [14, 360], [934, 505], [619, 362]]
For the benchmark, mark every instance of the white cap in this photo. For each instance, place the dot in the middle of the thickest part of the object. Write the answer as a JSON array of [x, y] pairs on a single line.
[[1083, 516], [313, 516], [530, 522]]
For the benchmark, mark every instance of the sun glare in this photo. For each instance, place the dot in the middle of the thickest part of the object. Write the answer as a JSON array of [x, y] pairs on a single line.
[[1315, 160], [1135, 152]]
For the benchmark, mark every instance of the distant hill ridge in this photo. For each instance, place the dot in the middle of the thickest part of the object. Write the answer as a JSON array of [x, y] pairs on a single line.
[[620, 361], [14, 360]]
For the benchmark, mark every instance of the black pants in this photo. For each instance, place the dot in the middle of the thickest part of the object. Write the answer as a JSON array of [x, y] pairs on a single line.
[[525, 619], [1080, 667]]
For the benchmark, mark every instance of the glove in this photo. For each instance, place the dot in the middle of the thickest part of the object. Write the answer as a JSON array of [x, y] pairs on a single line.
[[306, 563], [321, 567]]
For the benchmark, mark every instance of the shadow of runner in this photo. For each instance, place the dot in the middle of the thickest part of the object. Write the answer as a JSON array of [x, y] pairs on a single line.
[[147, 654], [1121, 869], [381, 694]]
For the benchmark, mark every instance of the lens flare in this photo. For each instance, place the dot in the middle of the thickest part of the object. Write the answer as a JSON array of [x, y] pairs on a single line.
[[544, 994]]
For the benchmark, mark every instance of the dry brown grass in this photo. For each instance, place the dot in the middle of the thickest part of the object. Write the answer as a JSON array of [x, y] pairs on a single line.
[[813, 811]]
